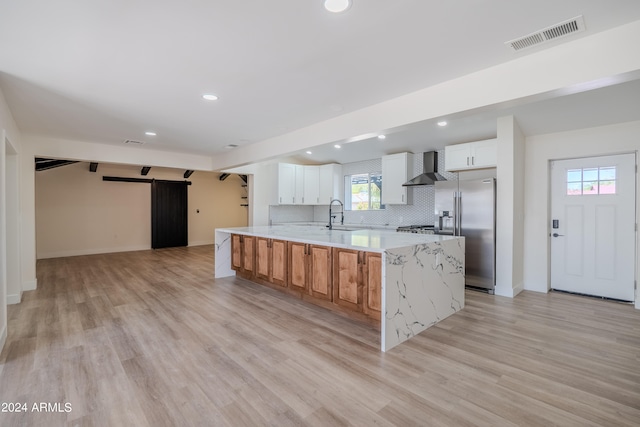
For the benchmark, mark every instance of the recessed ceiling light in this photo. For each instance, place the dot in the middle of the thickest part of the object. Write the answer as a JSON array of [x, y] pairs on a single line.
[[309, 152], [382, 137], [149, 133], [337, 145], [210, 97], [442, 123], [337, 6]]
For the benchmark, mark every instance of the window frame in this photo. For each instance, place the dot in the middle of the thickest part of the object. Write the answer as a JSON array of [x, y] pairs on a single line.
[[348, 191]]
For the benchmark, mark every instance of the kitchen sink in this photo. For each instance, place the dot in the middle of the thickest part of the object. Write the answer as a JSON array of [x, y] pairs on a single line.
[[340, 228]]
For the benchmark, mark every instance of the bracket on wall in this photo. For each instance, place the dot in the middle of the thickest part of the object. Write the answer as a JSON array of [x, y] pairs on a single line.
[[145, 170], [93, 167], [187, 174], [223, 176]]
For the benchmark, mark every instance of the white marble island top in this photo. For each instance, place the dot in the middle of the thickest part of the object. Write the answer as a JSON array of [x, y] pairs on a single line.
[[365, 239]]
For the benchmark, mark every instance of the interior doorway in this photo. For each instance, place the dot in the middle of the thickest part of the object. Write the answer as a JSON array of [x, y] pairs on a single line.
[[593, 232]]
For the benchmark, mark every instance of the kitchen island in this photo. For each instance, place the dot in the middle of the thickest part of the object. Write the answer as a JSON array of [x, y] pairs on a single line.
[[407, 281]]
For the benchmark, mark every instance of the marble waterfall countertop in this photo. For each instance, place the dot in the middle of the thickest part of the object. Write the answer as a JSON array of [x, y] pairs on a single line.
[[349, 237], [422, 274]]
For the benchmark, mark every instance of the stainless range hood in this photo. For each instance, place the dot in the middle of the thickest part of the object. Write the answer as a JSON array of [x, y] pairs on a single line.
[[429, 173]]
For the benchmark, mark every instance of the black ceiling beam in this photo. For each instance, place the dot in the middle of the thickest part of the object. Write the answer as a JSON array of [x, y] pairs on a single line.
[[139, 180], [93, 167], [44, 164], [223, 176], [187, 174], [145, 170]]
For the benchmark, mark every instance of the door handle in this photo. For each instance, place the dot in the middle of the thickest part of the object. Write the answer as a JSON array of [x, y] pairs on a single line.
[[557, 235]]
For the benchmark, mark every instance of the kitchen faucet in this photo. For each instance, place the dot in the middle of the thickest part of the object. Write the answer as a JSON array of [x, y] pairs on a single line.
[[332, 216]]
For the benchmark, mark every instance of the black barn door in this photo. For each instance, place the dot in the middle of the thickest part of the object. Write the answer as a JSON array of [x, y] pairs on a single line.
[[168, 214]]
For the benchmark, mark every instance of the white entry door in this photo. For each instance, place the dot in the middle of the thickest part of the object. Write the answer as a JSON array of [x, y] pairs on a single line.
[[593, 226]]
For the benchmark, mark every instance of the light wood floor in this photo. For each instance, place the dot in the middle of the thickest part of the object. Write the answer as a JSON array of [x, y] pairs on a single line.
[[150, 339]]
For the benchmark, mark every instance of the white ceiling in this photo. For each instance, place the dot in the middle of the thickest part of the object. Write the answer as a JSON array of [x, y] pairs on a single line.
[[109, 70]]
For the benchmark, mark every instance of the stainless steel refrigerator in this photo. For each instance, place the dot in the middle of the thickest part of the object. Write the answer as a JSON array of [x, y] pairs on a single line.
[[468, 208]]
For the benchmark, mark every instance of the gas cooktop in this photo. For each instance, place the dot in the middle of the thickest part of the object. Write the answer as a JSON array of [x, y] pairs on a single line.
[[418, 229]]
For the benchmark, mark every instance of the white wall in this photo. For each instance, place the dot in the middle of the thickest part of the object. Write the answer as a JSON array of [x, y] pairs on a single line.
[[78, 213], [509, 208], [14, 285], [539, 151], [10, 275]]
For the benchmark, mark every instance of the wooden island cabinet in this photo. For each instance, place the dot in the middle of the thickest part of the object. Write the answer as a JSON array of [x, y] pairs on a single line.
[[400, 283], [242, 253], [271, 261], [320, 280], [357, 280], [345, 280], [310, 267]]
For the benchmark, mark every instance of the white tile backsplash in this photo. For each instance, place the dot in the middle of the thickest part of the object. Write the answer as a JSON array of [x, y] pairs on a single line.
[[419, 213]]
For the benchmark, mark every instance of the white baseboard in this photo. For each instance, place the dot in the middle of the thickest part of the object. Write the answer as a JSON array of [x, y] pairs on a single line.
[[518, 288], [14, 298], [79, 252], [508, 292], [30, 285], [3, 337], [201, 243]]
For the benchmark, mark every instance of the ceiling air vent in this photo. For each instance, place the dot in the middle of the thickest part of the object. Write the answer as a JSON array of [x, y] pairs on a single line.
[[562, 29], [133, 142]]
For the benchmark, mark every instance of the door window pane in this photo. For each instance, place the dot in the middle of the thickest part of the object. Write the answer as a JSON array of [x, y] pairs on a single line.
[[574, 188], [590, 174], [607, 174], [590, 187], [591, 181], [574, 175]]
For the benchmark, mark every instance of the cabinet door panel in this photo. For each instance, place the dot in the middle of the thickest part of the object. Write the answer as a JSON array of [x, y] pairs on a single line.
[[320, 272], [248, 254], [279, 262], [263, 258], [286, 183], [372, 273], [236, 252], [457, 157], [394, 174], [347, 289], [311, 193], [297, 266], [484, 154]]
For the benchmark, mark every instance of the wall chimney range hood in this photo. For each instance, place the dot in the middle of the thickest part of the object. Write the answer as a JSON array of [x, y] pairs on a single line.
[[429, 173]]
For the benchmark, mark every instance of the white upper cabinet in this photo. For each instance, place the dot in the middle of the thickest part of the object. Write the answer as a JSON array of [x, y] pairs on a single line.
[[301, 185], [395, 172], [331, 183], [472, 155], [298, 183], [286, 184], [311, 185]]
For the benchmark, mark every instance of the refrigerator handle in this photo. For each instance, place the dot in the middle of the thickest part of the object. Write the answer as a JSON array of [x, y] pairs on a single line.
[[458, 215]]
